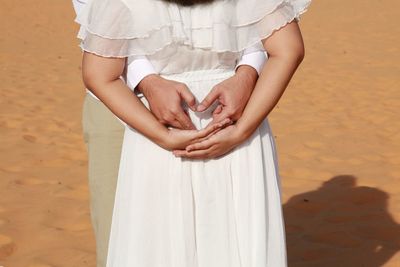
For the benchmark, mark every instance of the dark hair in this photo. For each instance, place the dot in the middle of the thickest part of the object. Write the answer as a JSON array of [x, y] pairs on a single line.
[[189, 2]]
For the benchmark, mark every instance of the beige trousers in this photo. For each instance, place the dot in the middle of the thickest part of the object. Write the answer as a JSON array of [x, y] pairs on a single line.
[[103, 135]]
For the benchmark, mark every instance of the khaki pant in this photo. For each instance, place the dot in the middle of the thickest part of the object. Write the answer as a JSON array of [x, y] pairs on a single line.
[[103, 135]]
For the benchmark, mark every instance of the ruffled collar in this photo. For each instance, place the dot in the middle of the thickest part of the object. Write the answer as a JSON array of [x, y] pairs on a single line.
[[121, 28]]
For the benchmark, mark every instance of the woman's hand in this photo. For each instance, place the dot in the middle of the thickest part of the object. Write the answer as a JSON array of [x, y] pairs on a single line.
[[214, 146], [176, 139]]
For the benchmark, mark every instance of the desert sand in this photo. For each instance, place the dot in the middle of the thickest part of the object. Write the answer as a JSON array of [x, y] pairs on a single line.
[[337, 131]]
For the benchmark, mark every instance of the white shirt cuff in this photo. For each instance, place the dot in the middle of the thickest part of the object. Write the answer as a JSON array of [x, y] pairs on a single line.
[[138, 69], [255, 59]]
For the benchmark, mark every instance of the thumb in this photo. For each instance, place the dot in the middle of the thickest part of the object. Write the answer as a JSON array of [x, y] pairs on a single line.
[[188, 97], [208, 100], [223, 115], [218, 109]]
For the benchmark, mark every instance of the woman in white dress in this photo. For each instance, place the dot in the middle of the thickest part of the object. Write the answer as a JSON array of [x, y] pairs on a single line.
[[194, 198]]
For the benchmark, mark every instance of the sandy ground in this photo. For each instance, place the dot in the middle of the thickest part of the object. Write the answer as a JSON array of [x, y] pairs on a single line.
[[337, 129]]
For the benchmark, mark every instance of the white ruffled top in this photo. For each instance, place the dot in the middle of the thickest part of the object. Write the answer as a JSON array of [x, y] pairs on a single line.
[[160, 30]]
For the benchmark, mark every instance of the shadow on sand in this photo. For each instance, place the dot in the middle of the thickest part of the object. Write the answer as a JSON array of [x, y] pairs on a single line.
[[340, 224]]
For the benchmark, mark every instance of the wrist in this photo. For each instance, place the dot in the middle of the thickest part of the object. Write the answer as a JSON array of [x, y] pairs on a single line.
[[248, 73], [145, 84], [164, 139], [243, 132]]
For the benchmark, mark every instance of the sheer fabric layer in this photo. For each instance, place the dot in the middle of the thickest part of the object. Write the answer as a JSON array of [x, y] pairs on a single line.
[[121, 28]]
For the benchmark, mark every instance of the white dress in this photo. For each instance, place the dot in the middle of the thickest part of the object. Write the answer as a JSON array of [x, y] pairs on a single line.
[[176, 212]]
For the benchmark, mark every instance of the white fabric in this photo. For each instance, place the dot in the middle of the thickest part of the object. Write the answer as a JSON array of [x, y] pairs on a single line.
[[174, 212], [137, 71], [78, 5], [253, 59], [139, 67], [120, 28]]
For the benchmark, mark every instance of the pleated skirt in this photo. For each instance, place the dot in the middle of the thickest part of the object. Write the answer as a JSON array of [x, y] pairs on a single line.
[[177, 212]]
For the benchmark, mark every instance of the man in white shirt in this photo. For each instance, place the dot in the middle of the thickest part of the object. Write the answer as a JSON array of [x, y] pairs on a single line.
[[103, 133]]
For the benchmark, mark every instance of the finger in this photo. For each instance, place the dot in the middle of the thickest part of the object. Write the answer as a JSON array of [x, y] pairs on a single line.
[[179, 152], [209, 129], [225, 113], [205, 137], [169, 122], [208, 100], [184, 120], [206, 133], [175, 124], [217, 110], [188, 97], [220, 118], [196, 154], [200, 145], [212, 133]]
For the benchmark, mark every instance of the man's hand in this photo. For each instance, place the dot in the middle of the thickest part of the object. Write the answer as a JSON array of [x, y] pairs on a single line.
[[165, 99], [232, 94]]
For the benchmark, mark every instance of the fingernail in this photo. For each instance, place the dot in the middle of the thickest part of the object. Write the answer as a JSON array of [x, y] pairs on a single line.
[[200, 107]]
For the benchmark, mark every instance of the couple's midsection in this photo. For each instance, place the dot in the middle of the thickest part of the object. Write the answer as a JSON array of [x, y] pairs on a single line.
[[200, 83]]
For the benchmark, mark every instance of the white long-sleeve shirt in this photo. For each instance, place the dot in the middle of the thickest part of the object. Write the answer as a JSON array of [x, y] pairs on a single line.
[[139, 66]]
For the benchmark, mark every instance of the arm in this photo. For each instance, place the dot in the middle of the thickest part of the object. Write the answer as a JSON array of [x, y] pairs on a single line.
[[233, 92], [101, 76], [143, 80], [286, 51]]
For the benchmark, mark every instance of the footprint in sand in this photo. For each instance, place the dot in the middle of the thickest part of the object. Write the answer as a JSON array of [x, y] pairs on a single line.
[[314, 145], [69, 224], [12, 168], [2, 222], [7, 246], [79, 192], [354, 161], [29, 181], [330, 159], [29, 138]]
